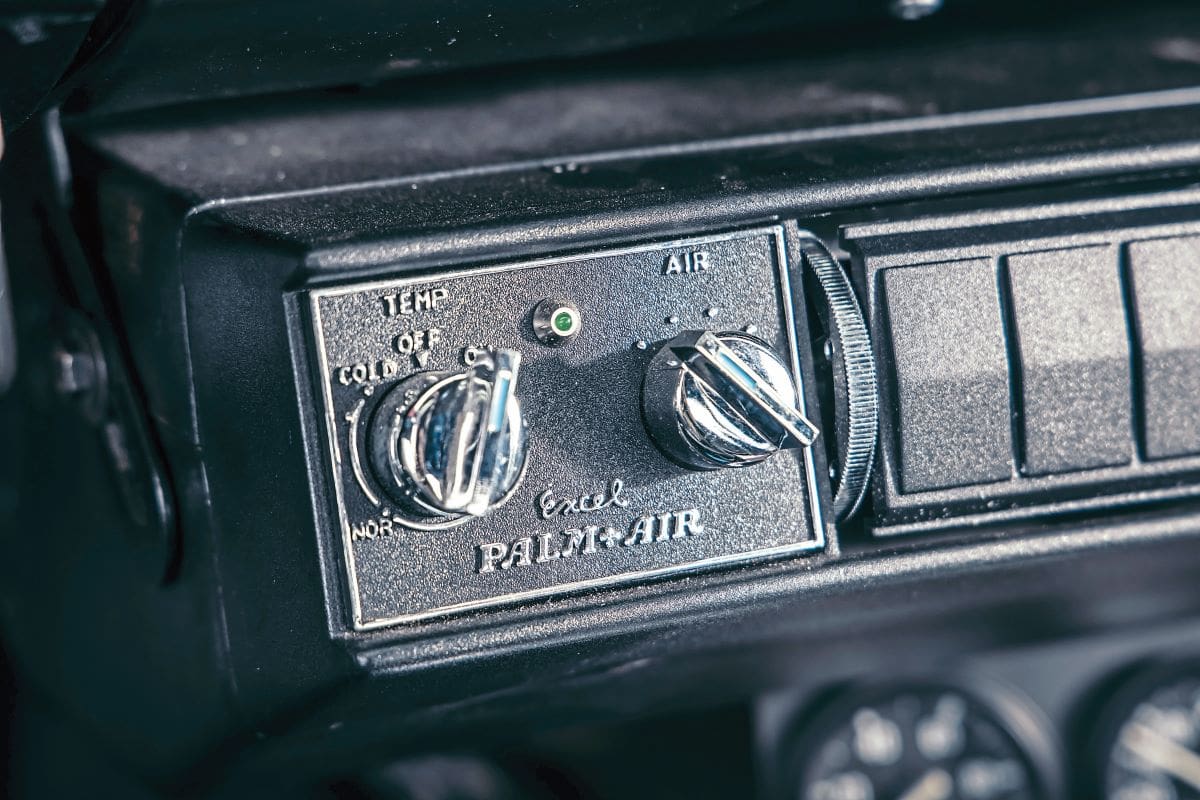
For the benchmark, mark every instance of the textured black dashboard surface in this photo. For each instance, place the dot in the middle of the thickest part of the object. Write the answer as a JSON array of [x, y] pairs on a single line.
[[810, 111]]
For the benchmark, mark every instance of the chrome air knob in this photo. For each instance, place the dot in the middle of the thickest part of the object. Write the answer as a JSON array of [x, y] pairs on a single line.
[[452, 443], [715, 400]]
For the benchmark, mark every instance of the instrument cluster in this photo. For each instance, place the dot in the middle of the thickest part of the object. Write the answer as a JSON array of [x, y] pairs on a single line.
[[1136, 736]]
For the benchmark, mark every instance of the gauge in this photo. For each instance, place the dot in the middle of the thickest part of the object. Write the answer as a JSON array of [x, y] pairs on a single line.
[[923, 742], [1149, 746]]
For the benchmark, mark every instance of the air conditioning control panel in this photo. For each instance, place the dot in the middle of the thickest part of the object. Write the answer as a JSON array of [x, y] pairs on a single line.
[[505, 433]]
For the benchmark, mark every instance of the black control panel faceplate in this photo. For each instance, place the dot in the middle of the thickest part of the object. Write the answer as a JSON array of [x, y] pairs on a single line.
[[592, 471]]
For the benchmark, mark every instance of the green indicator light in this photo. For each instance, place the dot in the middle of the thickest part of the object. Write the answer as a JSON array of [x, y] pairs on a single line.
[[556, 321], [564, 321]]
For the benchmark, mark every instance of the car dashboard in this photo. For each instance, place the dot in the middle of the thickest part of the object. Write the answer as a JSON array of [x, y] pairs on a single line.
[[602, 401]]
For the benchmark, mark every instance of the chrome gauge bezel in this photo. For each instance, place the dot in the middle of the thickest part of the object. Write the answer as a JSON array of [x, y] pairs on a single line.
[[1110, 706], [1026, 727]]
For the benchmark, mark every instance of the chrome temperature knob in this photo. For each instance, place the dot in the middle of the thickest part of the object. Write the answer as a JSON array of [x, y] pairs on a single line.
[[722, 400], [452, 443]]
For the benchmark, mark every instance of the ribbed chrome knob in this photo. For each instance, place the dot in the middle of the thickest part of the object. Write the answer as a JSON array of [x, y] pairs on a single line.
[[452, 444], [852, 364], [715, 400]]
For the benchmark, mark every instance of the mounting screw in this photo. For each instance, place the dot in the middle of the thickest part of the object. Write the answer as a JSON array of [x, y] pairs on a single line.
[[74, 372], [79, 371]]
